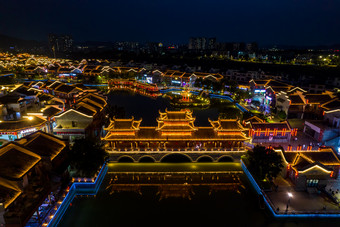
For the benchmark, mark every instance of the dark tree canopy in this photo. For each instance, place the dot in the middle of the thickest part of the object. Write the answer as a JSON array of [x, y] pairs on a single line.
[[86, 157], [264, 163], [282, 115]]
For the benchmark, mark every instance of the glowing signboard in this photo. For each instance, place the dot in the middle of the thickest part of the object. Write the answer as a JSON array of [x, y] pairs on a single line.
[[259, 90]]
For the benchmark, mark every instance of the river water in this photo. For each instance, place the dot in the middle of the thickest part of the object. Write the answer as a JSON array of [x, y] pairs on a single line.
[[148, 108], [231, 207]]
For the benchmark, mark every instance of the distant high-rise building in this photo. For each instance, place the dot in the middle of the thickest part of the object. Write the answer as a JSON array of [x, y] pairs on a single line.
[[211, 43], [60, 43], [202, 43], [197, 43], [251, 46], [127, 46]]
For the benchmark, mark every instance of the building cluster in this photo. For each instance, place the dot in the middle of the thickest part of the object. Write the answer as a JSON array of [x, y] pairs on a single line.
[[31, 168], [60, 43], [40, 118], [310, 170], [309, 102], [229, 49], [202, 43], [31, 65], [68, 111], [320, 111], [38, 122]]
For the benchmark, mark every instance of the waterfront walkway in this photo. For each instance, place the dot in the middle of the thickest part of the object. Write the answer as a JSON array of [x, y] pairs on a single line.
[[301, 201]]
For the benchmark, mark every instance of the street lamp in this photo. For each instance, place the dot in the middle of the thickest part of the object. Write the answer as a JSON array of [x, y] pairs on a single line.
[[290, 195]]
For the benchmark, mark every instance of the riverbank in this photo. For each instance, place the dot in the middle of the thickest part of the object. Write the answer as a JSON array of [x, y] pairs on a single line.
[[286, 203]]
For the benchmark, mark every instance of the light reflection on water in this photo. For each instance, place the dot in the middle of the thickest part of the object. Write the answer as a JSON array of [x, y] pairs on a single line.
[[173, 180], [148, 108], [194, 205]]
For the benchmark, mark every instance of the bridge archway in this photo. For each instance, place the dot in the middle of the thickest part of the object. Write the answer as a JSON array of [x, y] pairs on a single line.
[[146, 158], [125, 158], [226, 158], [205, 158], [176, 158]]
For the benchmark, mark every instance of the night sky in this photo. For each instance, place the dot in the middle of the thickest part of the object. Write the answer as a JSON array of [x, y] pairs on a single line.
[[287, 22]]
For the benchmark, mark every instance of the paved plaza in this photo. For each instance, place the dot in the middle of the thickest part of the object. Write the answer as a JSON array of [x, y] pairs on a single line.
[[300, 201], [333, 187]]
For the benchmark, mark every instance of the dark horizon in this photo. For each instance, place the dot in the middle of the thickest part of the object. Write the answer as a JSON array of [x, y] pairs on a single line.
[[13, 40], [292, 22]]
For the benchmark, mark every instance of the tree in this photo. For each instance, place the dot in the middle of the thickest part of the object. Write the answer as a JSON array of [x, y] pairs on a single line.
[[232, 86], [282, 115], [241, 95], [86, 157], [4, 80], [217, 86], [264, 163], [198, 82]]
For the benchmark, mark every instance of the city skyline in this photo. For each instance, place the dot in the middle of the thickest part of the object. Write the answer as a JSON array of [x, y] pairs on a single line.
[[299, 23]]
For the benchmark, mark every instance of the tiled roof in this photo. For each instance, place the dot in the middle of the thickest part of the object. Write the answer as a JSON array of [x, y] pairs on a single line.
[[86, 110], [9, 98], [227, 125], [332, 104], [8, 193], [51, 111], [318, 98], [201, 134], [271, 126], [65, 88], [16, 161], [22, 124], [275, 83], [254, 119], [123, 124], [44, 144], [296, 99], [172, 116], [95, 97], [260, 82], [305, 159], [54, 84], [45, 97], [92, 103], [176, 115], [24, 90]]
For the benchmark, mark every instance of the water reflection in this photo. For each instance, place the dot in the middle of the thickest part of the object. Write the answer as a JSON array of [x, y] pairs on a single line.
[[180, 182], [147, 108]]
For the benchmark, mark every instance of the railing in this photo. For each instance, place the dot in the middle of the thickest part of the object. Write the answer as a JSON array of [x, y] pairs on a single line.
[[169, 90], [79, 188], [286, 214], [151, 150]]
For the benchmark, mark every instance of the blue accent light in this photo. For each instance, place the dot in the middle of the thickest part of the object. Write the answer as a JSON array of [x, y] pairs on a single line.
[[266, 200], [82, 188]]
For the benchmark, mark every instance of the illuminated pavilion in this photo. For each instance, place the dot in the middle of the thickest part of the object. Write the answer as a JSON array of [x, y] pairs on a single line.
[[175, 130]]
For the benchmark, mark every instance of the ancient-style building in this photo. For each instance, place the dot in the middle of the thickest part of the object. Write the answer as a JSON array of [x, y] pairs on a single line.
[[175, 130], [266, 132], [310, 169], [147, 89]]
